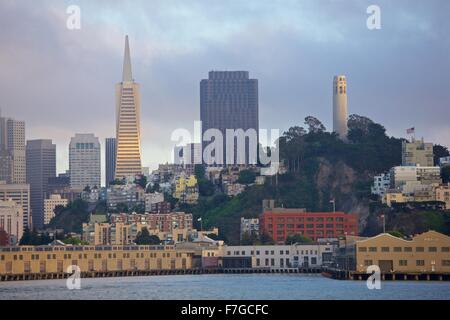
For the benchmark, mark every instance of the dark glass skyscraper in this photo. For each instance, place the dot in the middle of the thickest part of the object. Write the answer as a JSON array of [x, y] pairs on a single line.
[[41, 165], [110, 159], [229, 100]]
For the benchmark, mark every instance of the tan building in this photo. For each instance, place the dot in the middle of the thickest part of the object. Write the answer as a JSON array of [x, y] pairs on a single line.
[[19, 193], [426, 252], [50, 205], [417, 152], [128, 127], [443, 195], [56, 259], [11, 220]]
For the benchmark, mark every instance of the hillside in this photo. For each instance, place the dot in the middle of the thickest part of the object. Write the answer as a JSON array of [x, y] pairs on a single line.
[[320, 167]]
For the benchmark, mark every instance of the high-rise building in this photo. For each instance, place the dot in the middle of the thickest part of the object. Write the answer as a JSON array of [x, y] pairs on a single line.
[[41, 165], [20, 194], [229, 100], [84, 161], [12, 151], [417, 152], [340, 111], [128, 128], [110, 159]]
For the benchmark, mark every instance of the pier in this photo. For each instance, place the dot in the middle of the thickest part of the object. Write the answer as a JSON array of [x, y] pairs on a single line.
[[387, 276], [144, 273]]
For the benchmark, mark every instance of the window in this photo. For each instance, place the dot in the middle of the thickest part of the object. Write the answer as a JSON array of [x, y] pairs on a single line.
[[420, 249], [397, 249], [372, 249], [420, 263], [446, 263], [407, 249], [403, 263], [432, 249], [362, 249], [384, 249], [368, 263], [445, 249]]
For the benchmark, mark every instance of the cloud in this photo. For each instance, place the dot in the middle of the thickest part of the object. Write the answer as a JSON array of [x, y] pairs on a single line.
[[61, 82]]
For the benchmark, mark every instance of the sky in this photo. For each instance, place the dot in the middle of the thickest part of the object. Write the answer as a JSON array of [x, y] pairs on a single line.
[[62, 81]]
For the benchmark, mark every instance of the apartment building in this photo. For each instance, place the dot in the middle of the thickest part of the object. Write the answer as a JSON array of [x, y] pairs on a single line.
[[11, 220], [417, 152], [50, 205]]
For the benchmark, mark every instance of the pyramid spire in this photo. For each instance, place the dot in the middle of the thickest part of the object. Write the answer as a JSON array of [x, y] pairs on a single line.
[[127, 75]]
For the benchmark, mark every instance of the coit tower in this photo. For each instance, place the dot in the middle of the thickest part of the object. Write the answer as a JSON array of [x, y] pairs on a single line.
[[128, 127], [340, 112]]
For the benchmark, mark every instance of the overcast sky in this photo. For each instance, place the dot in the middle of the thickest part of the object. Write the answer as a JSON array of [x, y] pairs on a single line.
[[61, 81]]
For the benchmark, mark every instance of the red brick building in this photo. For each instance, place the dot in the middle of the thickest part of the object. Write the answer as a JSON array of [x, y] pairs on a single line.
[[279, 223]]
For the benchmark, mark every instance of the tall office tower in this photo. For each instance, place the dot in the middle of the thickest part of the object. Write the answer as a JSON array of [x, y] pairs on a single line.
[[110, 159], [41, 165], [19, 193], [84, 161], [340, 112], [16, 146], [128, 128], [229, 100], [12, 151]]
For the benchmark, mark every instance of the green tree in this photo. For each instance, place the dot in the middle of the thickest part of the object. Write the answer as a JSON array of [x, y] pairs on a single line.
[[144, 238], [445, 174], [396, 233], [246, 177], [122, 208], [439, 152], [297, 238], [205, 187], [141, 181]]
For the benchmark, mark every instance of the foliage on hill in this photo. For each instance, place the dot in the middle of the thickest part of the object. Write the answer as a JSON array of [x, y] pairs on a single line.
[[320, 167], [70, 218]]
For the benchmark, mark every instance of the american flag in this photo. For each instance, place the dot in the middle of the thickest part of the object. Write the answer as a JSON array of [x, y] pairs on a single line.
[[410, 130]]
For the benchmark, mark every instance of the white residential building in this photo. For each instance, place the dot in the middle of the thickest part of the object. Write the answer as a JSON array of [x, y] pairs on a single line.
[[50, 204], [381, 183], [153, 198], [409, 178], [249, 226], [444, 161], [84, 161]]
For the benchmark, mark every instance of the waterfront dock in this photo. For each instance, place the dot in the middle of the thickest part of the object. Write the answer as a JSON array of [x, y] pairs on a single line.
[[387, 276], [143, 273]]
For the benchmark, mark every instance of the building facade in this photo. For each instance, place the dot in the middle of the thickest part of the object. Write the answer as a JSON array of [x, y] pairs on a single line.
[[56, 259], [11, 220], [20, 194], [41, 165], [381, 183], [84, 161], [110, 159], [280, 256], [12, 151], [426, 252], [50, 204], [128, 127], [153, 199], [249, 227], [417, 152], [279, 223], [443, 195], [340, 108], [229, 100], [131, 195]]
